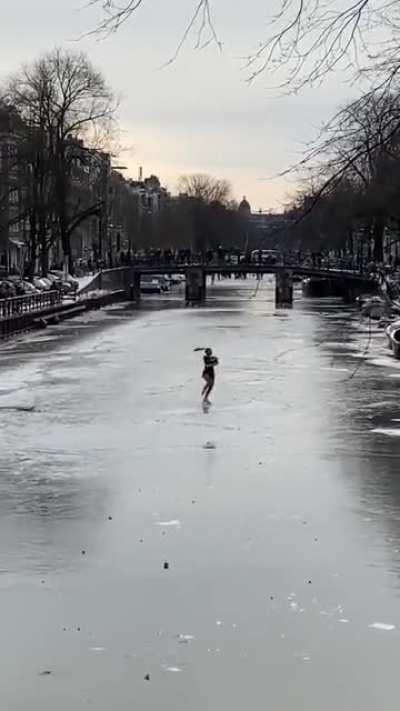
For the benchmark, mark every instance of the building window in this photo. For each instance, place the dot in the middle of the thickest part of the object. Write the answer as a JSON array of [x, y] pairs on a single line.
[[13, 197]]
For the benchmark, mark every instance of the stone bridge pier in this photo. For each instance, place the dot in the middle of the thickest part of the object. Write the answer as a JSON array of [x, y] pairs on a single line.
[[196, 286], [196, 281], [284, 289]]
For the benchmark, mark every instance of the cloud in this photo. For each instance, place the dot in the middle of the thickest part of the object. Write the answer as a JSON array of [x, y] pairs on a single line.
[[196, 115]]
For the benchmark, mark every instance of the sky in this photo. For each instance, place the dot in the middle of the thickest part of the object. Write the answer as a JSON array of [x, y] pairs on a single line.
[[198, 115]]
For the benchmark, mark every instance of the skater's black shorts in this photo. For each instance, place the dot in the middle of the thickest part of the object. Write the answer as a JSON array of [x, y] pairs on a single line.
[[209, 373]]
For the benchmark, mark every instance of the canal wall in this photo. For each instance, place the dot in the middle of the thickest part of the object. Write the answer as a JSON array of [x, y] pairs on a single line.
[[106, 287], [41, 319]]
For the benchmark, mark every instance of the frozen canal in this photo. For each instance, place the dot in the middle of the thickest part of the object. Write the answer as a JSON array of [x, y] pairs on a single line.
[[278, 512]]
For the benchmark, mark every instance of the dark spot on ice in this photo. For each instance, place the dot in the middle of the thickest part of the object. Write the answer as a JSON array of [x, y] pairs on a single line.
[[46, 672], [209, 445], [166, 566], [110, 518], [310, 582], [141, 540], [147, 677], [272, 597], [83, 552], [18, 408], [78, 629], [316, 540], [43, 582]]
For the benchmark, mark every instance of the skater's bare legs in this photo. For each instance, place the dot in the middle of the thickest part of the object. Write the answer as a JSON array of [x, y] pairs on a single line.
[[207, 390]]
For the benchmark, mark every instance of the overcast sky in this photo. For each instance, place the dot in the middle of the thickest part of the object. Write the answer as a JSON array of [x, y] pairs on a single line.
[[197, 115]]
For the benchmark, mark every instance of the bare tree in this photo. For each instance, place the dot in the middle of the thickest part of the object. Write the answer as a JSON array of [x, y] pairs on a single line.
[[116, 14], [358, 156], [64, 102], [354, 143], [205, 188], [307, 39]]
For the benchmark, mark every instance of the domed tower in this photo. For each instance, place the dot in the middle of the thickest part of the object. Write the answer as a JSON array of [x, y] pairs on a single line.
[[244, 207]]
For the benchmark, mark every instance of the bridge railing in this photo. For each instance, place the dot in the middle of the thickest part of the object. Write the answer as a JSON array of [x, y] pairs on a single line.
[[19, 305], [289, 263]]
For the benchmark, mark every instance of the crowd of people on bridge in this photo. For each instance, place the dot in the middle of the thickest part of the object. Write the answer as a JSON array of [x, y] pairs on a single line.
[[322, 260]]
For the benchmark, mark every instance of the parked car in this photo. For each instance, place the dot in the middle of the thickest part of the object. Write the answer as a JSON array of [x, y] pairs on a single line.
[[14, 286], [23, 287], [42, 283], [28, 288], [65, 278], [266, 256], [7, 289], [150, 285], [57, 283], [177, 279], [15, 283], [164, 281]]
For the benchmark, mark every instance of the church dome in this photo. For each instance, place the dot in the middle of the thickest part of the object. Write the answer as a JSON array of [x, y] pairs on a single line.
[[245, 206]]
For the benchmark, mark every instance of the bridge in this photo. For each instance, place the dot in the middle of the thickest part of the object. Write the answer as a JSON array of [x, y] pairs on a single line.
[[352, 283], [23, 312]]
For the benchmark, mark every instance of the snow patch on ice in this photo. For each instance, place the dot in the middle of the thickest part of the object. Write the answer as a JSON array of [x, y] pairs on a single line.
[[382, 626]]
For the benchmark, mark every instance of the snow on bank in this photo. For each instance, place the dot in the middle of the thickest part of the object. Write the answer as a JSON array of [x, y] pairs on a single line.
[[85, 281]]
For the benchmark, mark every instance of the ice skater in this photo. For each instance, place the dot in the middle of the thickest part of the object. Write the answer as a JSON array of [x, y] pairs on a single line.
[[210, 362]]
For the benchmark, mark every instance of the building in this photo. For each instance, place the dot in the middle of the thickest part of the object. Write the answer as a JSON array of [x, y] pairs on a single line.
[[13, 224], [89, 203], [105, 218], [269, 229], [150, 194]]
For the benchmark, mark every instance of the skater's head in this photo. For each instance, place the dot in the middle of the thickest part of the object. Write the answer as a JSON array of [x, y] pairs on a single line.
[[208, 351]]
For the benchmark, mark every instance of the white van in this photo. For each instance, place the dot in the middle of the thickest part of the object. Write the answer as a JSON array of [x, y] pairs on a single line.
[[266, 256]]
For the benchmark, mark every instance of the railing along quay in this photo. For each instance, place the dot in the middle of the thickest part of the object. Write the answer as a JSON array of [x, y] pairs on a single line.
[[18, 305], [16, 313]]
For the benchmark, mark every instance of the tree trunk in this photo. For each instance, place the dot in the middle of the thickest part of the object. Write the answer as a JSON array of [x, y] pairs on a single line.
[[44, 249], [62, 194], [44, 261], [66, 265], [350, 242], [65, 243], [32, 245], [378, 233]]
